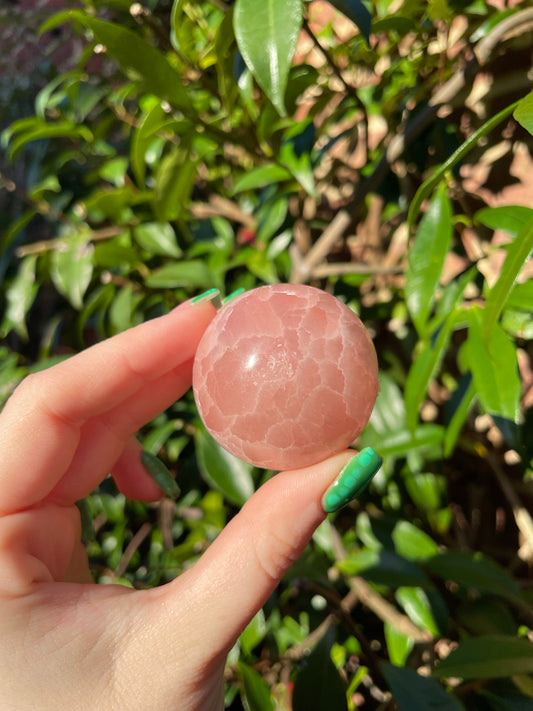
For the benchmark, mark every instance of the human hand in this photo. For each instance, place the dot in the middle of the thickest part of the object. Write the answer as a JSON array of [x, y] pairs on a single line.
[[67, 643]]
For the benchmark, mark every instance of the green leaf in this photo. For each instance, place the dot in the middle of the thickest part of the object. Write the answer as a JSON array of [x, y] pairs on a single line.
[[412, 543], [424, 368], [524, 112], [399, 646], [318, 685], [494, 369], [508, 701], [72, 266], [254, 632], [222, 470], [517, 254], [464, 149], [510, 218], [426, 258], [461, 401], [266, 35], [476, 571], [413, 692], [42, 129], [521, 297], [157, 238], [174, 182], [20, 296], [383, 567], [261, 176], [417, 607], [139, 60], [488, 657], [151, 122], [192, 273], [357, 12], [256, 693]]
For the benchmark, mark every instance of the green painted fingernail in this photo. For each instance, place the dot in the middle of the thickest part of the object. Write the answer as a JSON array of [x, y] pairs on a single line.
[[209, 295], [352, 480], [160, 474], [233, 294]]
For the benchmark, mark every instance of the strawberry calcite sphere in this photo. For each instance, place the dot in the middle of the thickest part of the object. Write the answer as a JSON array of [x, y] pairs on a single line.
[[285, 376]]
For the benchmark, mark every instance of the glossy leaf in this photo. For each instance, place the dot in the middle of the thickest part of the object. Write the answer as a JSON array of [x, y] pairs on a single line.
[[384, 567], [399, 646], [417, 607], [517, 254], [222, 470], [266, 34], [412, 543], [426, 258], [255, 690], [524, 112], [510, 218], [72, 267], [318, 685], [139, 60], [357, 12], [157, 238], [254, 632], [476, 571], [413, 692], [494, 370], [42, 129], [488, 657]]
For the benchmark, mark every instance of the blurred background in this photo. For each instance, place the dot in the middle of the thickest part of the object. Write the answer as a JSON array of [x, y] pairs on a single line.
[[380, 151]]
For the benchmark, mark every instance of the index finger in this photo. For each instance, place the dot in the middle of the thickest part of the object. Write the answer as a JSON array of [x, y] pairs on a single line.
[[41, 422]]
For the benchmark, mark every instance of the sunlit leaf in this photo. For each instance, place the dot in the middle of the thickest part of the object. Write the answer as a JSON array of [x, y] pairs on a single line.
[[72, 266], [266, 34]]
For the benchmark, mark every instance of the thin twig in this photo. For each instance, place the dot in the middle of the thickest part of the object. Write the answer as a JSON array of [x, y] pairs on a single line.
[[322, 247], [49, 244], [132, 546]]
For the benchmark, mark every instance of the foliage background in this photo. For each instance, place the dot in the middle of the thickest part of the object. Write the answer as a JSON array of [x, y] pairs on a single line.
[[150, 153]]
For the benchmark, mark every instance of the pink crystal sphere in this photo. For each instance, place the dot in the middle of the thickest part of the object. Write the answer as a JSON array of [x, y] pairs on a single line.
[[285, 376]]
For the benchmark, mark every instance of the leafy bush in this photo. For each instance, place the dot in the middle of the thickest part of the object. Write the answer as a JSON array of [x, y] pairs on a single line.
[[215, 144]]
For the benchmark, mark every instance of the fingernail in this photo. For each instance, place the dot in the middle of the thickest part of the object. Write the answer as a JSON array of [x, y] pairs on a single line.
[[233, 294], [212, 295], [352, 480], [160, 474]]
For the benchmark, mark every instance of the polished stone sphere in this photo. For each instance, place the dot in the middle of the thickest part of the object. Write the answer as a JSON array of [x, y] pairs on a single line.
[[285, 376]]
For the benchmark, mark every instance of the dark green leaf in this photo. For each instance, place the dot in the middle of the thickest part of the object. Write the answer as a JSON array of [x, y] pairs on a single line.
[[474, 570], [502, 701], [222, 470], [426, 258], [517, 254], [510, 218], [256, 693], [318, 685], [140, 61], [524, 112], [413, 692], [160, 474], [357, 12], [384, 567], [488, 657], [266, 35]]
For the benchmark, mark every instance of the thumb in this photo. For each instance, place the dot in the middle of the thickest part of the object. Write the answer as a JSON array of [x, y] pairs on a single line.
[[240, 570]]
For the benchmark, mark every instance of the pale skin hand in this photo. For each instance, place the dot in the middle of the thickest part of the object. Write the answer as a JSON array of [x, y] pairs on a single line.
[[66, 643]]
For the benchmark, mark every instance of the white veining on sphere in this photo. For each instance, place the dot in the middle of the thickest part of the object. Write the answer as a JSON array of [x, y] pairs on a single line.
[[285, 376]]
